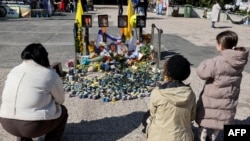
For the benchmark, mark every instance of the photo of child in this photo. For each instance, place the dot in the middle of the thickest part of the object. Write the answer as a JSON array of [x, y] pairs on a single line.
[[122, 21], [87, 20], [140, 21], [103, 20]]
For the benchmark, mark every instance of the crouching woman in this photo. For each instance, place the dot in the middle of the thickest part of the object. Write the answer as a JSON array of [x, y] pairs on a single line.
[[32, 98], [172, 104]]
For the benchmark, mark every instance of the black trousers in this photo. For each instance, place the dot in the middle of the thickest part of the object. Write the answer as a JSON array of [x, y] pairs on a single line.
[[26, 130]]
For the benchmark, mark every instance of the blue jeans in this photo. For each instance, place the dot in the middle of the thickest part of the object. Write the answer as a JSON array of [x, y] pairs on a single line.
[[159, 8], [213, 24]]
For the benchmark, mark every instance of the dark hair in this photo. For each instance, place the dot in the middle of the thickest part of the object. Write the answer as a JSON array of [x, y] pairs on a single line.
[[109, 46], [227, 39], [177, 68], [36, 52]]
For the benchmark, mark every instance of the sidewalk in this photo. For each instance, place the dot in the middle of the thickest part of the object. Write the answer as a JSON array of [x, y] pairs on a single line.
[[91, 120]]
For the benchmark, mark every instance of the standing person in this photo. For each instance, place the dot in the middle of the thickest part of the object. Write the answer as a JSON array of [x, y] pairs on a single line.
[[146, 7], [120, 7], [84, 5], [159, 6], [222, 74], [142, 6], [32, 98], [151, 5], [172, 104], [62, 6], [135, 2], [215, 16]]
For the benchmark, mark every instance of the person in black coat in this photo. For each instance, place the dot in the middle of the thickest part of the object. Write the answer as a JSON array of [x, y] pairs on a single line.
[[120, 8], [84, 5]]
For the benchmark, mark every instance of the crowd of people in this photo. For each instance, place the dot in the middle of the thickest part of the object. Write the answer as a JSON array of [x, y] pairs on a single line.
[[173, 106], [57, 5], [157, 6]]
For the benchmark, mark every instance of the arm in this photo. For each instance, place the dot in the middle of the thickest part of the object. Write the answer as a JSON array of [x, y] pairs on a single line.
[[58, 92], [206, 69], [193, 114], [152, 104]]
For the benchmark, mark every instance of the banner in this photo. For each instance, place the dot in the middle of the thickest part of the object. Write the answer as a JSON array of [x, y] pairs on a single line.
[[25, 11], [13, 10]]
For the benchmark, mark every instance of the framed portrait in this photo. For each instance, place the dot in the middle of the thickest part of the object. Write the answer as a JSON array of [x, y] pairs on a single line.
[[140, 21], [86, 20], [122, 21], [103, 21]]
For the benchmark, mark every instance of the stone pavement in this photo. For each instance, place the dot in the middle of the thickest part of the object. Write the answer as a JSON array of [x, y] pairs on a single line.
[[91, 120]]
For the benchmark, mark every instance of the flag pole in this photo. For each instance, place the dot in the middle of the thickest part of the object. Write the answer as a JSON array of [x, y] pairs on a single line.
[[78, 38]]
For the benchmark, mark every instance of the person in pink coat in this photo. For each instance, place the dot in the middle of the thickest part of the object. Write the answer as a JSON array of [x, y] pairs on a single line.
[[218, 101]]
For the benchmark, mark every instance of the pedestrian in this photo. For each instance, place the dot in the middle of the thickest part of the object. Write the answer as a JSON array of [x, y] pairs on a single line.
[[152, 5], [217, 102], [142, 6], [32, 98], [159, 7], [172, 104], [120, 7], [62, 6], [146, 7], [135, 2], [215, 15], [84, 5]]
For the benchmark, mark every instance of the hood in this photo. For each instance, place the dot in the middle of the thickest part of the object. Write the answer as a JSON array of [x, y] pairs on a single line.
[[236, 58], [177, 96]]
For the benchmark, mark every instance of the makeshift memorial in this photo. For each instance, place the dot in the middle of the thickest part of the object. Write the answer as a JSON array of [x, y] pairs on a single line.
[[124, 69], [127, 85]]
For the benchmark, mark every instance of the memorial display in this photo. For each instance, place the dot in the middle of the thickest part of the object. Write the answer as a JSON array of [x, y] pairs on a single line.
[[111, 68]]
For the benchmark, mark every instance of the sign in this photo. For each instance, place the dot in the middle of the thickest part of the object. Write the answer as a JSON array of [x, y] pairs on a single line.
[[10, 10], [13, 10], [236, 132]]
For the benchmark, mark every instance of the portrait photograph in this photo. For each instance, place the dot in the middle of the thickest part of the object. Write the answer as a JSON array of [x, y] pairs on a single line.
[[103, 21], [122, 21], [86, 20], [140, 21]]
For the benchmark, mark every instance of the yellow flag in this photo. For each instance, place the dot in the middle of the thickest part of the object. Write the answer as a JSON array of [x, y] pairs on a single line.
[[130, 13], [79, 13]]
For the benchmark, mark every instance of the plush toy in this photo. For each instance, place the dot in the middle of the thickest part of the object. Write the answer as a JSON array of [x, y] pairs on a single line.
[[132, 20], [91, 46]]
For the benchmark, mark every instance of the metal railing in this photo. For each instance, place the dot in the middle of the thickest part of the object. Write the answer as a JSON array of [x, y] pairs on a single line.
[[158, 47]]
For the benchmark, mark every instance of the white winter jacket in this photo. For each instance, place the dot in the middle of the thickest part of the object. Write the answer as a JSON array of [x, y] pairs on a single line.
[[32, 92], [216, 13]]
